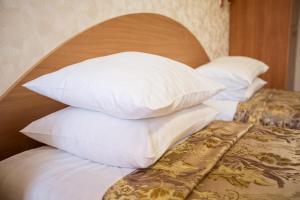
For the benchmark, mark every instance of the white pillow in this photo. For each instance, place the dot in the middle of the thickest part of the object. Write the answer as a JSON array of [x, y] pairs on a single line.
[[234, 72], [129, 85], [241, 94], [254, 87], [227, 108], [117, 142]]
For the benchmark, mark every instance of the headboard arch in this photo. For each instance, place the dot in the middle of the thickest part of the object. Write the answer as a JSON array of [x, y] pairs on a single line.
[[145, 32]]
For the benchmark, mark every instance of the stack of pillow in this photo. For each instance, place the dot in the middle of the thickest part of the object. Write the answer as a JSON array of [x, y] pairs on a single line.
[[125, 110], [238, 74]]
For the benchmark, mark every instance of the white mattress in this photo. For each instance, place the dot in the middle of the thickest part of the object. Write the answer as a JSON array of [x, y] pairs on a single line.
[[226, 108], [47, 173]]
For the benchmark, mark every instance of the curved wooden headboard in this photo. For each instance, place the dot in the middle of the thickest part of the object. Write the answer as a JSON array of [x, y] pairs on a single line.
[[145, 32]]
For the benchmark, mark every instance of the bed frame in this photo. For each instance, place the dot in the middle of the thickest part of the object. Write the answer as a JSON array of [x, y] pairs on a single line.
[[145, 32]]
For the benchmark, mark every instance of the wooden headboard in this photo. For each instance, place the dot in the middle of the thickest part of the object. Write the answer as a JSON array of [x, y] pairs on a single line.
[[145, 32]]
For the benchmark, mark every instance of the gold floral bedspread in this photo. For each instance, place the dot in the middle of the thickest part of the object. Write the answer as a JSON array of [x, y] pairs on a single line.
[[263, 165], [271, 107], [226, 160]]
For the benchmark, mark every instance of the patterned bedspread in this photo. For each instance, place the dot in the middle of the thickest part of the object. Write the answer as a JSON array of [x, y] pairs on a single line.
[[226, 160], [271, 107]]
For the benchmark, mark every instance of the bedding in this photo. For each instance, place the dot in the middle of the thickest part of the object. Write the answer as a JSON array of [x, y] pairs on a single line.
[[227, 160], [263, 165], [127, 85], [268, 107], [240, 95], [112, 141], [234, 72], [47, 173], [226, 108], [271, 107]]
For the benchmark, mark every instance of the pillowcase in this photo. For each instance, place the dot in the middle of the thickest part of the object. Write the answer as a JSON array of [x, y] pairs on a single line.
[[241, 94], [234, 72], [117, 142], [128, 85], [227, 108], [254, 87]]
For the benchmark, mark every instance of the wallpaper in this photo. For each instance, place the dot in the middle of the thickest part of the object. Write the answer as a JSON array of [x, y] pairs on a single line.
[[31, 29]]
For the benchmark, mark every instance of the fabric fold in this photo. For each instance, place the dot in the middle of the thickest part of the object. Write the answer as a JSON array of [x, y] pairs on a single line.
[[180, 169], [264, 164]]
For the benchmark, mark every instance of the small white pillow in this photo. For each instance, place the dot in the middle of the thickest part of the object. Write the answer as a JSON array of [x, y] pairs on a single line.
[[254, 87], [234, 72], [117, 142], [241, 94], [128, 85]]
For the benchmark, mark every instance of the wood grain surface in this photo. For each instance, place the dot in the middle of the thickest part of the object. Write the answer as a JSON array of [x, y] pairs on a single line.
[[261, 29]]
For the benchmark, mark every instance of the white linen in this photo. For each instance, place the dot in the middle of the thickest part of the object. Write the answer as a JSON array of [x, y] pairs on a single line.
[[226, 102], [226, 108], [117, 142], [50, 174], [128, 85], [254, 87], [240, 94], [234, 72]]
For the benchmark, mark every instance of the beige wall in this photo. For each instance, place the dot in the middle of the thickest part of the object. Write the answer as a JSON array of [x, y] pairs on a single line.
[[30, 29]]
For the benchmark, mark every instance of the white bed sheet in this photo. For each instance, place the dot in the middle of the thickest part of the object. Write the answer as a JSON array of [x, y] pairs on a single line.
[[51, 174], [226, 108]]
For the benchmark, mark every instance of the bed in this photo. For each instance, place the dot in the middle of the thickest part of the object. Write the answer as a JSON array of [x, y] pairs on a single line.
[[271, 107], [267, 107], [226, 160], [256, 163]]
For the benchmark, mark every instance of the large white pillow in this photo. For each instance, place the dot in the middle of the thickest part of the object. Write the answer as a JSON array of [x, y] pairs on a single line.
[[241, 94], [117, 142], [234, 72], [129, 85]]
